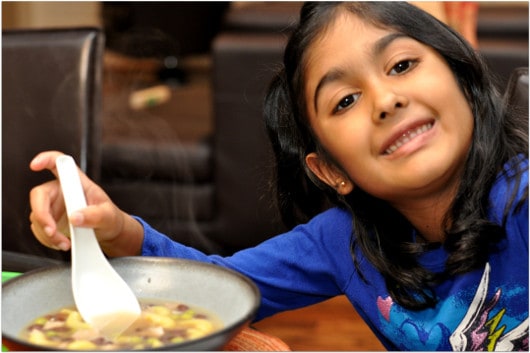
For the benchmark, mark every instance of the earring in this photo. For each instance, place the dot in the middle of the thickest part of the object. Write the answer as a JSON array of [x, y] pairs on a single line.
[[340, 184]]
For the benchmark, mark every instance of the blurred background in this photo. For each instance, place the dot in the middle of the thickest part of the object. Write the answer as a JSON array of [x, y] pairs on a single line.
[[182, 141]]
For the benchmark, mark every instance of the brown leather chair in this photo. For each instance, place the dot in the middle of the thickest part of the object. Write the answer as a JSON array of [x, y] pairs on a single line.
[[502, 32], [213, 194], [516, 94], [246, 207], [50, 100]]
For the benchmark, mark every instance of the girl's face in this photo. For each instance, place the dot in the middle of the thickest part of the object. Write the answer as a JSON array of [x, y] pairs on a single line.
[[389, 111]]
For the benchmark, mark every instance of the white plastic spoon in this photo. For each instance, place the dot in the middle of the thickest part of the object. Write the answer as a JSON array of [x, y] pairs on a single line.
[[102, 297]]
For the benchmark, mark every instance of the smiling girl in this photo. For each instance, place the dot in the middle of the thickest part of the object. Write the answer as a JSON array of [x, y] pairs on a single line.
[[404, 177]]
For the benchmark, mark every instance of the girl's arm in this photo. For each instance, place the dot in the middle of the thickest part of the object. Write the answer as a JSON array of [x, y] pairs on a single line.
[[306, 265]]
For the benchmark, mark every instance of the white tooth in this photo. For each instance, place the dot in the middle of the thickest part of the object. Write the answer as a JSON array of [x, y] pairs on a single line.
[[407, 136]]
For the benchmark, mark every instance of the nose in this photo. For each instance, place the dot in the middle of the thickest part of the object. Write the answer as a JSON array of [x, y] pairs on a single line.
[[387, 100]]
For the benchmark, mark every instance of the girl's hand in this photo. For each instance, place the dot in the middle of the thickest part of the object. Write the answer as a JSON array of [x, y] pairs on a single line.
[[117, 232]]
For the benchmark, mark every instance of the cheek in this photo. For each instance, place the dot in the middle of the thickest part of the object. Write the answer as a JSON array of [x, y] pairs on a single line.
[[467, 127], [461, 113], [348, 144], [448, 101]]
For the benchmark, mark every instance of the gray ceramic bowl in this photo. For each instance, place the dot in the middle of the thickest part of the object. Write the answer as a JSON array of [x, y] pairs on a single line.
[[231, 296]]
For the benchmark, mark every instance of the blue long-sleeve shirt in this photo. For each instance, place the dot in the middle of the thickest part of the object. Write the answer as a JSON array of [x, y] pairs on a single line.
[[483, 309]]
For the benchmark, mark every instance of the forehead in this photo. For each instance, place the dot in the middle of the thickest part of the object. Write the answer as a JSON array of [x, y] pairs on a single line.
[[346, 29]]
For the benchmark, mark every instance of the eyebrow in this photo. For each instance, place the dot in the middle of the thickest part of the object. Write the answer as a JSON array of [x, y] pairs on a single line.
[[336, 74]]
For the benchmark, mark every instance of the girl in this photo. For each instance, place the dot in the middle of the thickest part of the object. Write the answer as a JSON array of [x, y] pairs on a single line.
[[403, 175]]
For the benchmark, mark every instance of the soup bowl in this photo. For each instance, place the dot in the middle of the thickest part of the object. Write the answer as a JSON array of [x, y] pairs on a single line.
[[232, 297]]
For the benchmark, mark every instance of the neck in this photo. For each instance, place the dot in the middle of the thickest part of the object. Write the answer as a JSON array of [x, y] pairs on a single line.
[[428, 216]]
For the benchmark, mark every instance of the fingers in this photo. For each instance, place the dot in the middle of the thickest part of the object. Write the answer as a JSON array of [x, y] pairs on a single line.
[[45, 200], [48, 218], [51, 237], [47, 206], [45, 160]]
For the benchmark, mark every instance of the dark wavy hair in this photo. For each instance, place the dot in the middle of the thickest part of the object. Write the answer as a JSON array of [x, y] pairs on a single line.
[[499, 136]]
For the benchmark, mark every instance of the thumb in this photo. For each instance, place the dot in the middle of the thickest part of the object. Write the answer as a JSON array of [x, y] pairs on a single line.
[[89, 217], [104, 218], [77, 218]]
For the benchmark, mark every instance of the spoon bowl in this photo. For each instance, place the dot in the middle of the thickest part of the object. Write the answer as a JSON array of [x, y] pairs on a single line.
[[102, 297]]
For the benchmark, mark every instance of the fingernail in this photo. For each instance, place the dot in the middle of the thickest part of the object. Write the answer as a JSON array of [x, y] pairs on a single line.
[[49, 231], [63, 246], [77, 218], [36, 159]]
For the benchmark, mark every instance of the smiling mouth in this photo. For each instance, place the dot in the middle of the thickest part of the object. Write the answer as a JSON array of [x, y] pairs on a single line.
[[407, 137]]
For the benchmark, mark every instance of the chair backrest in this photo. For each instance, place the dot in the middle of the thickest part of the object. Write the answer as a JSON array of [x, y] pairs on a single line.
[[516, 94], [51, 88]]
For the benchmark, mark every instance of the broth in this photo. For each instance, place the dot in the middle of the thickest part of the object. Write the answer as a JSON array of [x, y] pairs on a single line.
[[160, 324]]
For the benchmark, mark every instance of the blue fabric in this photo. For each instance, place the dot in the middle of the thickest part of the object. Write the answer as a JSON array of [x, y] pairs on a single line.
[[484, 309]]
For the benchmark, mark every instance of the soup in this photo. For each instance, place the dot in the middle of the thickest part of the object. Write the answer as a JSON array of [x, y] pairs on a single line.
[[160, 324]]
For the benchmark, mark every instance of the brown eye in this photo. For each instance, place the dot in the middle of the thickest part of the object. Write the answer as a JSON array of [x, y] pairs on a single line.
[[345, 102], [401, 67]]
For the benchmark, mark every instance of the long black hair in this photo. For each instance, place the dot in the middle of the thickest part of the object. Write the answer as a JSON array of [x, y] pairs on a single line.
[[499, 136]]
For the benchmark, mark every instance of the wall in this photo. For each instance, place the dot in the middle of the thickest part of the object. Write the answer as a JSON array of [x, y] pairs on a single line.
[[37, 14]]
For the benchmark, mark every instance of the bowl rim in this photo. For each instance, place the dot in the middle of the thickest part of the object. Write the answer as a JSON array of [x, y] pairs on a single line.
[[241, 323]]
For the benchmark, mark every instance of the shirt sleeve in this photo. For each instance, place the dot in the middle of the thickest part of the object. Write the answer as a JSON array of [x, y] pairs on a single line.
[[306, 265]]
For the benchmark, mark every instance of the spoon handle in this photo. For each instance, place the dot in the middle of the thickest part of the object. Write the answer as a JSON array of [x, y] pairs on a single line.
[[74, 199], [73, 194]]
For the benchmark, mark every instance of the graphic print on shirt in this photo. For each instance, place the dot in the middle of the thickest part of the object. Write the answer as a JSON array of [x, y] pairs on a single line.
[[476, 332], [484, 325]]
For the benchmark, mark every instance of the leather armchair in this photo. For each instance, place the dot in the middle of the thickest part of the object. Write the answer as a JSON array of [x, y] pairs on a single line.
[[502, 32], [516, 94], [213, 194], [169, 184], [50, 100]]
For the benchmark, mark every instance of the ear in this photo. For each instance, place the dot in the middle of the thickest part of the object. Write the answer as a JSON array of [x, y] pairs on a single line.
[[329, 174]]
